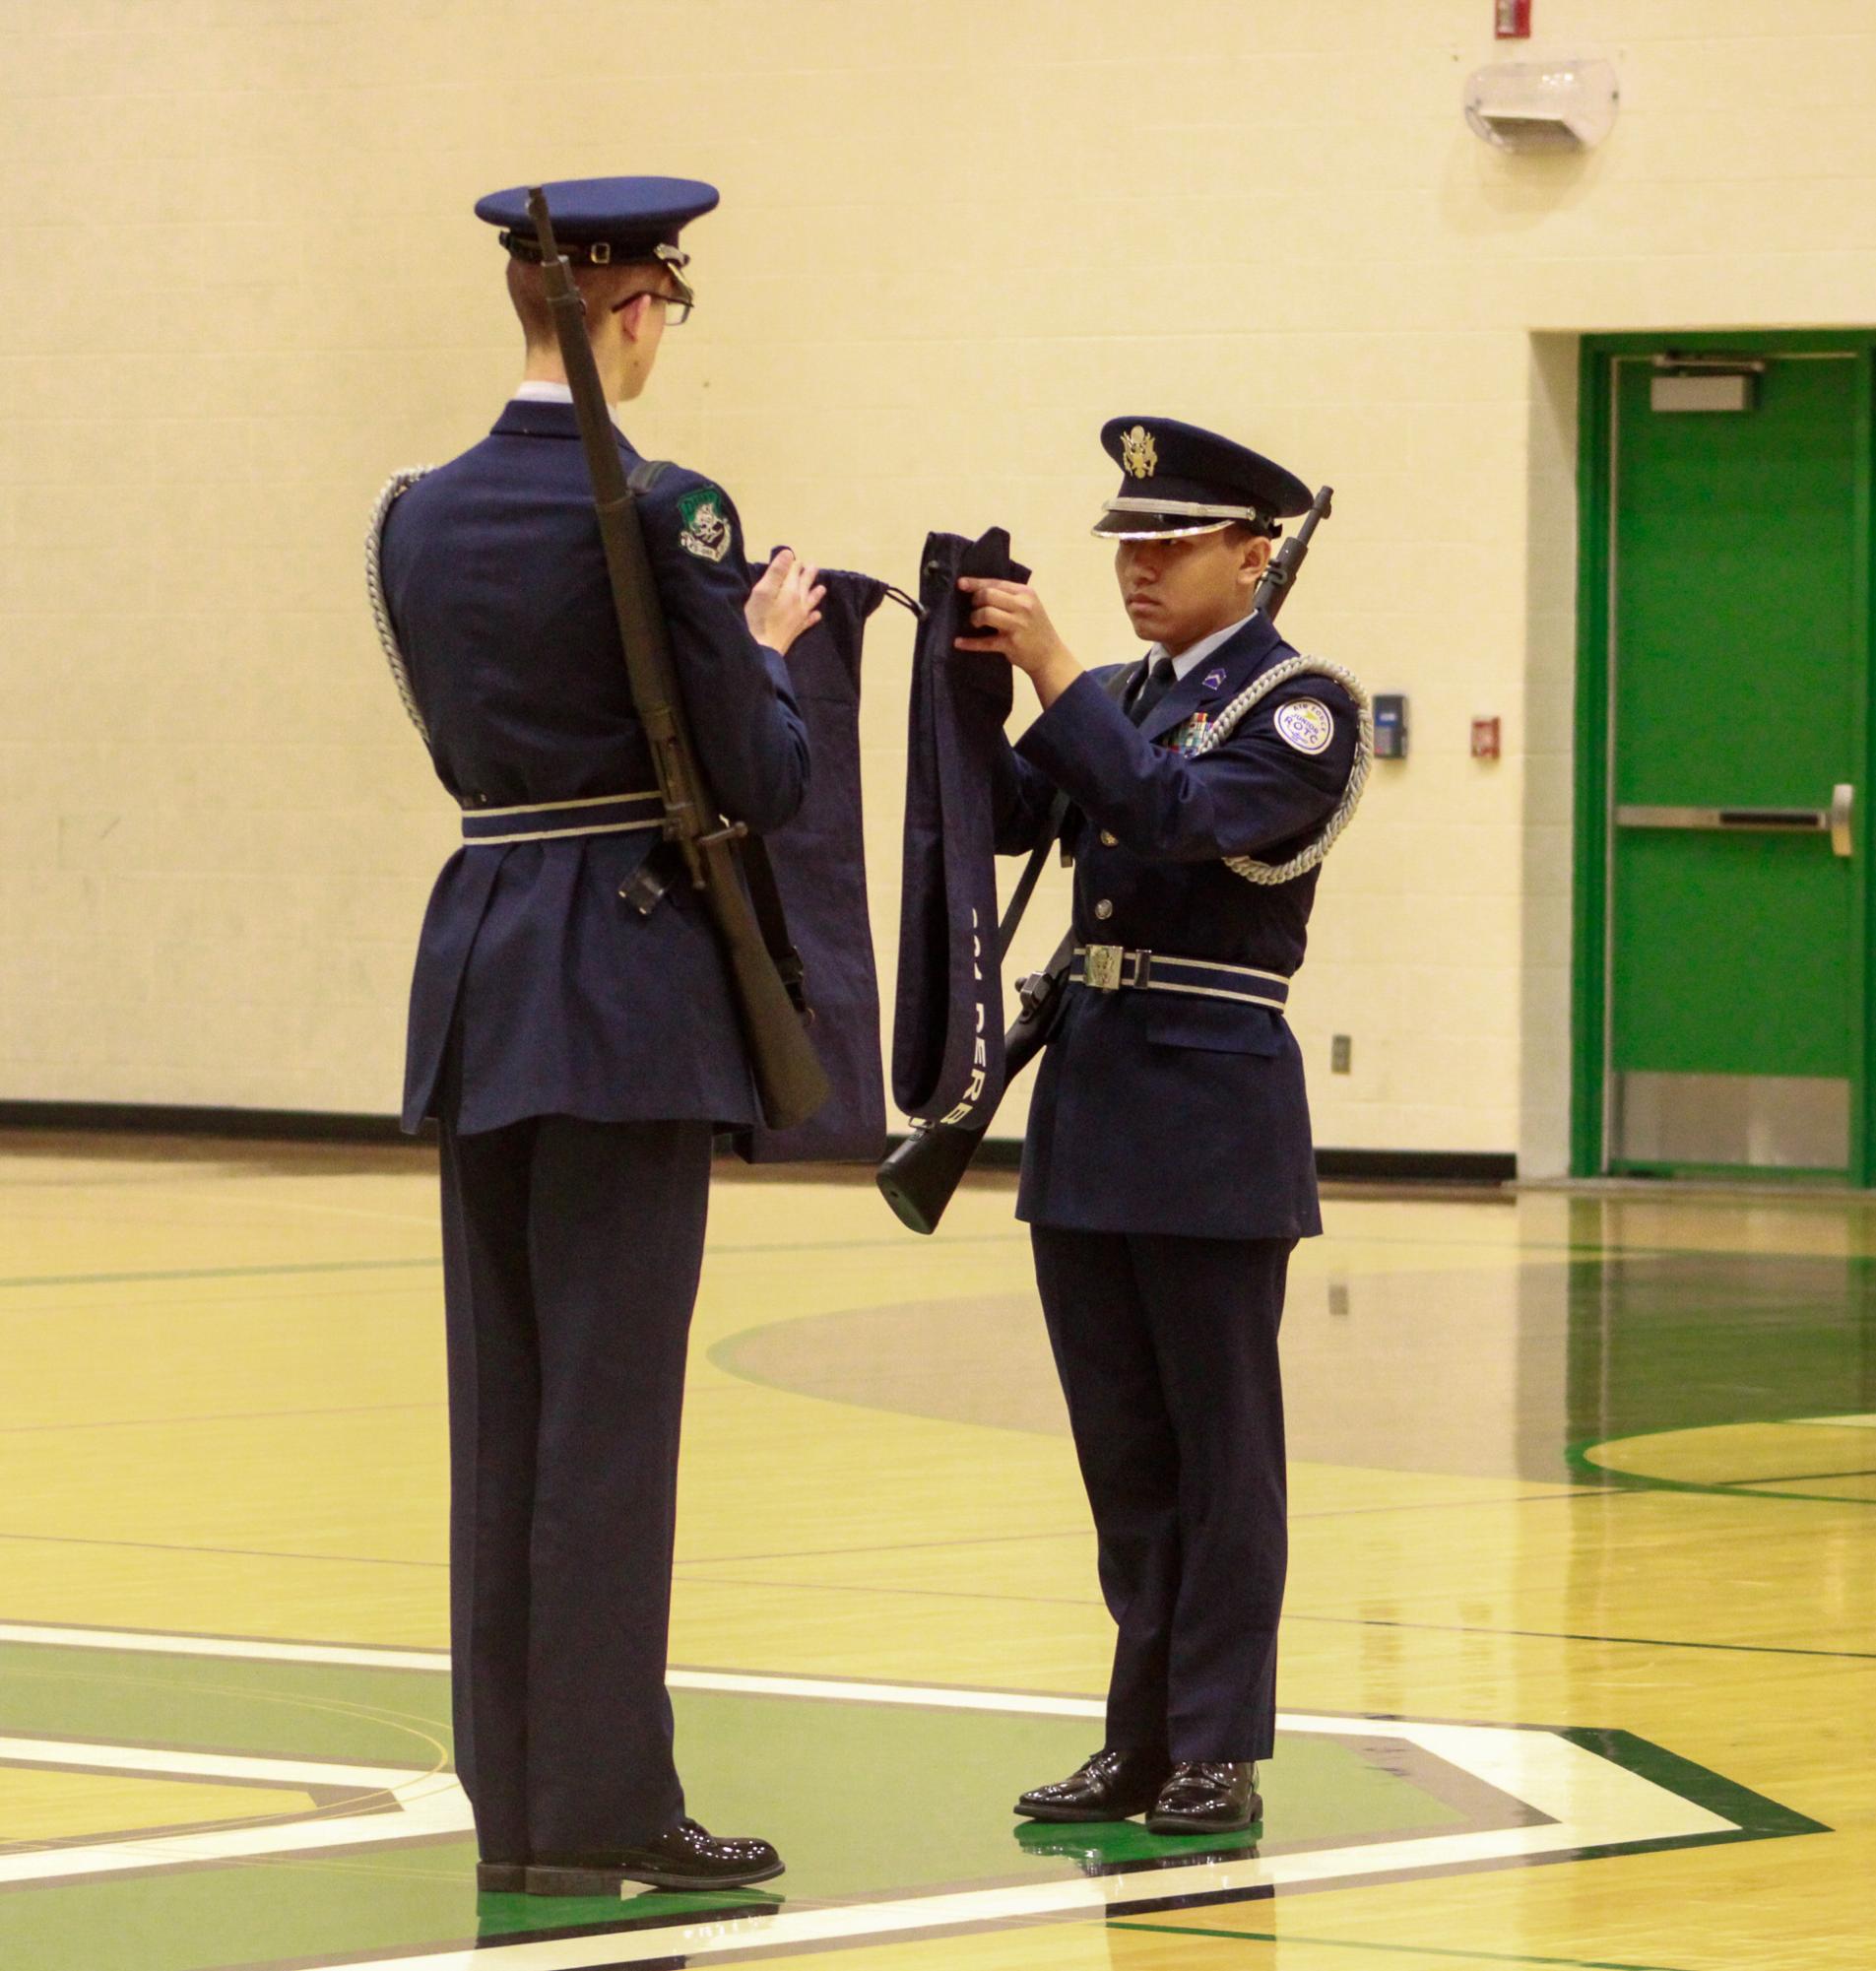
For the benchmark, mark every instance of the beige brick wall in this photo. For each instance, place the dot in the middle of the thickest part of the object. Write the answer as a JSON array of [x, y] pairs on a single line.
[[242, 283]]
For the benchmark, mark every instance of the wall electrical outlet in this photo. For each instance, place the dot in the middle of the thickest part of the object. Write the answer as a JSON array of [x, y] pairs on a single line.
[[1341, 1050]]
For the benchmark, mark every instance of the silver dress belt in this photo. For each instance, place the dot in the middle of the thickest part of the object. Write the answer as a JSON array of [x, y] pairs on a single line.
[[554, 821], [1113, 968]]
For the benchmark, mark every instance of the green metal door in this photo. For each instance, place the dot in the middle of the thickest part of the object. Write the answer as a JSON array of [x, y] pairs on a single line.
[[1735, 983]]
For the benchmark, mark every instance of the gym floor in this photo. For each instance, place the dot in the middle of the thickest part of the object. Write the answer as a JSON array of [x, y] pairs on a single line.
[[1579, 1650]]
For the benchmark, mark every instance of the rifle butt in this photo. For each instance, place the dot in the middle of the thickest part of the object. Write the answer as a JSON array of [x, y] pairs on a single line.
[[789, 1077], [919, 1178]]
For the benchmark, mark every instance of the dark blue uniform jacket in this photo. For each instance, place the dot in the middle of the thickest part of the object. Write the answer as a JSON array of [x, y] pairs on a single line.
[[1154, 1111], [569, 1002]]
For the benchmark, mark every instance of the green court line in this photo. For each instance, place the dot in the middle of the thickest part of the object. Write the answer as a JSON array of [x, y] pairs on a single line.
[[1396, 1949], [237, 1552], [212, 1416], [1574, 1635], [1791, 1478], [29, 1280], [1076, 1532], [1753, 1814], [1611, 1479], [1346, 1621]]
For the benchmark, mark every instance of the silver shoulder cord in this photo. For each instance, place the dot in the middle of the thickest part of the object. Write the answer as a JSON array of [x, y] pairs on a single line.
[[1227, 722], [399, 484]]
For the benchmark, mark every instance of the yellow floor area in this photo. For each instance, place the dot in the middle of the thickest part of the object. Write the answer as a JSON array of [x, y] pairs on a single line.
[[221, 1412]]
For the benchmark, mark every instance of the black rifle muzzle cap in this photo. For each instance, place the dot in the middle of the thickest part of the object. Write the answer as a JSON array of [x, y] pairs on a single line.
[[1177, 478]]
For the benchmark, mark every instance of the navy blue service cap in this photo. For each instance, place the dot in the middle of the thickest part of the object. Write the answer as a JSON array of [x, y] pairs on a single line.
[[1179, 479], [597, 220]]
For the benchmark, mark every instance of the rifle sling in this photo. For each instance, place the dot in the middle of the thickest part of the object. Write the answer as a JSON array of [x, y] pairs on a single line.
[[758, 873], [1117, 688]]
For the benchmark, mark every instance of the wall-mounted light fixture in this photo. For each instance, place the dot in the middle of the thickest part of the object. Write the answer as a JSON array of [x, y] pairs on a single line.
[[1567, 105]]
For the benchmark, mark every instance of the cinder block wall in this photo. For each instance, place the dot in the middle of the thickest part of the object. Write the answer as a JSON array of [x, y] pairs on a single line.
[[242, 283]]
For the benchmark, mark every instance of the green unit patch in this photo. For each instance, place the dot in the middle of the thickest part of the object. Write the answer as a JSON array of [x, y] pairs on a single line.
[[703, 524]]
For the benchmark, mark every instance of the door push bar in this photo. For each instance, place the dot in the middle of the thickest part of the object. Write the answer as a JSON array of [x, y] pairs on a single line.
[[1833, 820]]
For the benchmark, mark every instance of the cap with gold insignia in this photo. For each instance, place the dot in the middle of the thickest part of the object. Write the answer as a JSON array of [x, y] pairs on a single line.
[[597, 220], [1179, 479]]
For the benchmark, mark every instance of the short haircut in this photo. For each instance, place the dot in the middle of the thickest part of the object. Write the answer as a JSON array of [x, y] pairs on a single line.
[[600, 285]]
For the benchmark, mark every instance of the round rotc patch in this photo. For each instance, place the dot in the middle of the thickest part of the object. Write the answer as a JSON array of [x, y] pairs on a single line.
[[1305, 725]]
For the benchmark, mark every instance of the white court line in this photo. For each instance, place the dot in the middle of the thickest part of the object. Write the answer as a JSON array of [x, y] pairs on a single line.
[[239, 1648], [1613, 1806], [1587, 1802], [417, 1806]]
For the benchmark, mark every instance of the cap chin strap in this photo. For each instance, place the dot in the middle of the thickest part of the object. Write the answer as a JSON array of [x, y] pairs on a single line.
[[1160, 533], [1205, 518], [597, 254], [1203, 509]]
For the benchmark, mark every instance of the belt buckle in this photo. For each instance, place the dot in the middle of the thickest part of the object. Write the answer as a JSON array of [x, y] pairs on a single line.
[[1101, 966]]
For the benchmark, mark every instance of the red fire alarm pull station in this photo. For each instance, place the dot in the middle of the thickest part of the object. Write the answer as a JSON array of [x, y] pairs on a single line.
[[1485, 739], [1513, 20]]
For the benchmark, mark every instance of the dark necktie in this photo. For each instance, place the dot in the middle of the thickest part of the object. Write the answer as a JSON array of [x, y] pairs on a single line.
[[1159, 681]]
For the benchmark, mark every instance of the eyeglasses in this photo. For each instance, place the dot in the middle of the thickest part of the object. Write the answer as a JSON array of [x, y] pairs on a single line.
[[677, 306]]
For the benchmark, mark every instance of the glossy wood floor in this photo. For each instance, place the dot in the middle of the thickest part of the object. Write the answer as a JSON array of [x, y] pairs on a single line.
[[1597, 1463]]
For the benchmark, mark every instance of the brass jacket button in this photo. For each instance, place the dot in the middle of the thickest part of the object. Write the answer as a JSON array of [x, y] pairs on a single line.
[[1107, 840], [1104, 910]]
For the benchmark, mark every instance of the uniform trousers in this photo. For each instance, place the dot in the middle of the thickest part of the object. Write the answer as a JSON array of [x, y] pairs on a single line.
[[1167, 1351], [571, 1252]]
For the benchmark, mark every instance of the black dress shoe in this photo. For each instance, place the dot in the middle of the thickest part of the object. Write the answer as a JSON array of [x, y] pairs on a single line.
[[1202, 1799], [1111, 1786], [686, 1858], [500, 1878]]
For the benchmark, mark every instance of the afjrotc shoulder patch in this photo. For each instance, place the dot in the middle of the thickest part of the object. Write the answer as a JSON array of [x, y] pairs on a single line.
[[705, 528], [1306, 725]]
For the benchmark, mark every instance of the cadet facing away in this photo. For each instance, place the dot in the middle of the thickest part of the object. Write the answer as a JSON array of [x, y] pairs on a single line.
[[577, 1055], [1168, 1171]]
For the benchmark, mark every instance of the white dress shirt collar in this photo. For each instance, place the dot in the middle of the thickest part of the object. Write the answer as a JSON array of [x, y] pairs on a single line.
[[1189, 661], [544, 393]]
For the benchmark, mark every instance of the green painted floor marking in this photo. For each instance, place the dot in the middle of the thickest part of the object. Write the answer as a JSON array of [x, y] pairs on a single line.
[[1397, 1949], [784, 1765]]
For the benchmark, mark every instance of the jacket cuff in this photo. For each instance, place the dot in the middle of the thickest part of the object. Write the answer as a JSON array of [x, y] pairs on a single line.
[[777, 666]]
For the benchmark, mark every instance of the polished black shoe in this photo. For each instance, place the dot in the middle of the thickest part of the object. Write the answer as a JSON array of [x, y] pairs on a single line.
[[1201, 1799], [686, 1858], [1111, 1786], [501, 1879]]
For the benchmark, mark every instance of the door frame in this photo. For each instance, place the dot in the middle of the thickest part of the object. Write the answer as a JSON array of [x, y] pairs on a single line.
[[1595, 521]]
